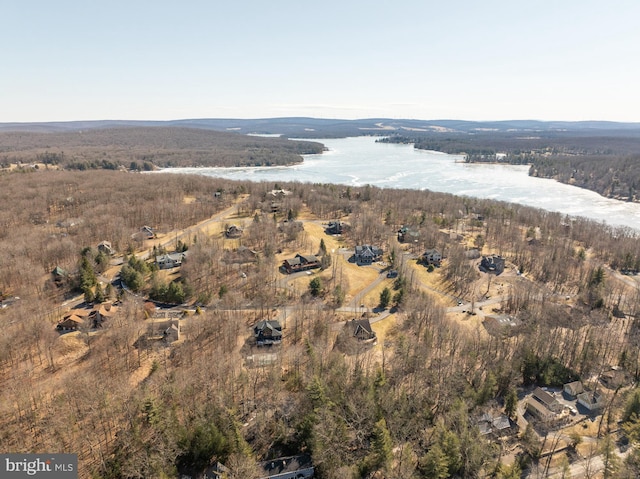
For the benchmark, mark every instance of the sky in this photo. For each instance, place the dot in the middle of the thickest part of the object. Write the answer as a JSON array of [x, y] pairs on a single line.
[[416, 59]]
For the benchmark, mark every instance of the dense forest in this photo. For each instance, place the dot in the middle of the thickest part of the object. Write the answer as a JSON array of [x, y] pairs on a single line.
[[146, 148], [405, 408]]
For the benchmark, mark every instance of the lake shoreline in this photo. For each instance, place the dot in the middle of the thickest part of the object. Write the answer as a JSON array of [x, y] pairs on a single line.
[[357, 161]]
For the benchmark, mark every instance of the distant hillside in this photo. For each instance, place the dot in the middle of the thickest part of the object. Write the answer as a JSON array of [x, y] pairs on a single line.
[[143, 147], [302, 127]]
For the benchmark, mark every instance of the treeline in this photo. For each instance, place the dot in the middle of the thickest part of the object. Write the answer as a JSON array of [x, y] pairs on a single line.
[[611, 176], [145, 148], [607, 165]]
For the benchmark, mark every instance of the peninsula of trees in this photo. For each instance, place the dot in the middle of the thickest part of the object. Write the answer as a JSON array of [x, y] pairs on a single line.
[[604, 161], [147, 148]]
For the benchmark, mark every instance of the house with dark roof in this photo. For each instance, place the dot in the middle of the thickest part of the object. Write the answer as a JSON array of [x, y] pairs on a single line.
[[301, 262], [492, 264], [267, 333], [292, 467], [59, 275], [334, 228], [147, 232], [367, 254], [431, 256], [614, 378], [539, 410], [499, 425], [547, 400], [361, 330], [233, 232], [217, 471], [240, 256]]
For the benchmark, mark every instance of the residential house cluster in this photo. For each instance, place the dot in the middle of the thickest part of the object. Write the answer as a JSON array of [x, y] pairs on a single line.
[[545, 406]]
